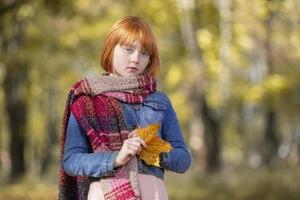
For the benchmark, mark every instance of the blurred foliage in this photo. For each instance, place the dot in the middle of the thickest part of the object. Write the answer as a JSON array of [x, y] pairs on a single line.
[[239, 185]]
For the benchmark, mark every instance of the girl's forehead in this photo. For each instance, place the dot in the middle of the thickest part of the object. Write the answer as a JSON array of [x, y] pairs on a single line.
[[135, 42], [128, 40]]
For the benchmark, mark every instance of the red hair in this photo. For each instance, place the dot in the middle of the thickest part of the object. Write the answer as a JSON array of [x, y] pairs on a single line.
[[125, 32]]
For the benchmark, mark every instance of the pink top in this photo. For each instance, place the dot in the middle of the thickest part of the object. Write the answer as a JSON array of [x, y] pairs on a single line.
[[151, 188]]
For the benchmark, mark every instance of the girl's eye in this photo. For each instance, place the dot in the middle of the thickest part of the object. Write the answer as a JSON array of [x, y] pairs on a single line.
[[145, 53], [128, 49]]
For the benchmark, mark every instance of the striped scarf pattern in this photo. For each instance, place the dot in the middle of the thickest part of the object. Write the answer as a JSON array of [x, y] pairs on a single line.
[[96, 104]]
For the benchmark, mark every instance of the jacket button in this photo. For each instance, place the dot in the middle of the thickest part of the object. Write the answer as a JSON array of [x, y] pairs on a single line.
[[136, 106]]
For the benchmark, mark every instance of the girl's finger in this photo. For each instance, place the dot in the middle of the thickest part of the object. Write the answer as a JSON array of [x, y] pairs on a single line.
[[141, 141], [131, 152], [134, 143], [134, 148], [132, 134], [139, 151]]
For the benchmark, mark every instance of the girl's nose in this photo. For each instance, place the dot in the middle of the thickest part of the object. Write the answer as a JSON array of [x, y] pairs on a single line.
[[135, 57]]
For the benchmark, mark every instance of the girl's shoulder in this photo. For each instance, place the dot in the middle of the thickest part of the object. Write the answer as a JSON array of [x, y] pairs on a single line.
[[158, 97], [79, 84]]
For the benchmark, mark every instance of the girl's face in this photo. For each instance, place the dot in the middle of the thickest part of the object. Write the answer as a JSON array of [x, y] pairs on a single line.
[[130, 60]]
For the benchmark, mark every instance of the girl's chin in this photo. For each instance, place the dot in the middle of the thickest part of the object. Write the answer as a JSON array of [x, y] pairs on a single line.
[[128, 73], [131, 74]]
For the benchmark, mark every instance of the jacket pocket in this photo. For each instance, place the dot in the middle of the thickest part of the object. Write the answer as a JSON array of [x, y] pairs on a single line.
[[153, 112]]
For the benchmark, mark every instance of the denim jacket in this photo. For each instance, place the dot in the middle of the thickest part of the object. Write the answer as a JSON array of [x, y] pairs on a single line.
[[79, 160]]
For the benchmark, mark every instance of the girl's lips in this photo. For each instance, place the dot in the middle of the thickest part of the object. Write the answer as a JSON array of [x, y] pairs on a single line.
[[132, 68]]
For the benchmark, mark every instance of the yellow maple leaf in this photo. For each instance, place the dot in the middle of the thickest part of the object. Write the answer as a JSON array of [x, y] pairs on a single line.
[[155, 145]]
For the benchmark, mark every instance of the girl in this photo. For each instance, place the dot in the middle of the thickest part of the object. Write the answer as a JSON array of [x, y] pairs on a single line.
[[99, 144]]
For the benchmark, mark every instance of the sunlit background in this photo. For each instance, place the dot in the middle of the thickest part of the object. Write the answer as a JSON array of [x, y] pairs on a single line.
[[230, 68]]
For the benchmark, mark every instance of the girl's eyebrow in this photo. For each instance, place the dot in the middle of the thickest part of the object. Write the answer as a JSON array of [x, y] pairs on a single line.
[[127, 45]]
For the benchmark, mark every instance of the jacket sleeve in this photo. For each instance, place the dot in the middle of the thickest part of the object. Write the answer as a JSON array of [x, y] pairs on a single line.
[[178, 159], [78, 158]]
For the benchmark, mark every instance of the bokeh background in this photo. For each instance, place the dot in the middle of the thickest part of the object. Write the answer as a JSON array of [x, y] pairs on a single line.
[[230, 68]]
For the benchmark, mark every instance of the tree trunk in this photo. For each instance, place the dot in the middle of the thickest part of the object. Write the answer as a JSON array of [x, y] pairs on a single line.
[[1, 121], [202, 111], [211, 137], [270, 136], [51, 138], [15, 83], [224, 51], [15, 103]]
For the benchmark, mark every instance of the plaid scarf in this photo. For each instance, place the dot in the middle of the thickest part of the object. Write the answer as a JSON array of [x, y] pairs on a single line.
[[95, 103]]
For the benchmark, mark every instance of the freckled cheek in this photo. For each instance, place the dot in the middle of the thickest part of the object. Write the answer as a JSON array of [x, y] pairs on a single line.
[[122, 61], [145, 62]]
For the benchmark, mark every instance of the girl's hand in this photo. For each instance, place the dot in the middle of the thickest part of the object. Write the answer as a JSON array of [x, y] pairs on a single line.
[[130, 148], [132, 134]]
